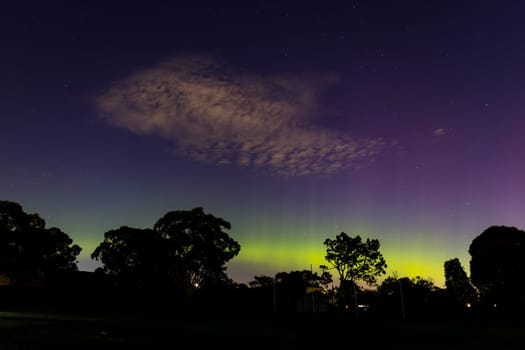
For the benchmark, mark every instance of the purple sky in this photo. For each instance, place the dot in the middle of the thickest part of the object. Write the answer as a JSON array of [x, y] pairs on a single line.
[[400, 121]]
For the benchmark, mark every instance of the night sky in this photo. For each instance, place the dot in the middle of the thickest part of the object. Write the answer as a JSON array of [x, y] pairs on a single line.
[[294, 121]]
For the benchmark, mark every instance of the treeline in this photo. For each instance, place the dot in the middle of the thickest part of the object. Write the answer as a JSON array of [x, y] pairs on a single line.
[[180, 264]]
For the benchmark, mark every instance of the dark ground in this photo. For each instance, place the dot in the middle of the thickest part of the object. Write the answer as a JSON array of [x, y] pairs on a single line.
[[170, 329]]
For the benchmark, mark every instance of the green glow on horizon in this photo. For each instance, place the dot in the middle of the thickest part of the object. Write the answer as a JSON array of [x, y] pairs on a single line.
[[407, 254], [412, 259], [286, 257], [88, 246]]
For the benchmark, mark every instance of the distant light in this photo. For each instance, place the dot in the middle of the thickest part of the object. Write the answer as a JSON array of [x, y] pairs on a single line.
[[495, 305], [196, 285], [468, 305]]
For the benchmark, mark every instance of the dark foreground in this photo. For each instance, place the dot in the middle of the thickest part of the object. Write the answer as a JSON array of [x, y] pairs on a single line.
[[44, 329]]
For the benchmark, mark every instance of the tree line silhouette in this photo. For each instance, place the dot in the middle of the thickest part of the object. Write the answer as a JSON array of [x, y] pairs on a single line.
[[181, 262]]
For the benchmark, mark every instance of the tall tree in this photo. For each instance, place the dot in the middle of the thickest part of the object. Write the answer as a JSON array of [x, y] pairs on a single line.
[[459, 286], [354, 260], [497, 267], [28, 249], [185, 249], [199, 247], [135, 257]]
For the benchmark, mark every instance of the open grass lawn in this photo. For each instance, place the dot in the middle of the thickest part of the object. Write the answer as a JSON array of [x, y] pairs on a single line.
[[81, 330]]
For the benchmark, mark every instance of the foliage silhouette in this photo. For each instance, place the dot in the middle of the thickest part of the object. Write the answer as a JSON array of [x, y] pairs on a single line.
[[185, 250], [291, 291], [28, 249], [135, 257], [354, 260], [198, 247], [295, 288], [459, 287], [497, 267], [407, 297], [261, 281]]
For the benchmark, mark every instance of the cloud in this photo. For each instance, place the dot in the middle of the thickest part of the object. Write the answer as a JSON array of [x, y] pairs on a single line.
[[440, 132], [216, 114]]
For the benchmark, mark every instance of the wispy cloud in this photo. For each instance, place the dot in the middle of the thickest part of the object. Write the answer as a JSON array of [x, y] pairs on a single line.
[[215, 114], [440, 132]]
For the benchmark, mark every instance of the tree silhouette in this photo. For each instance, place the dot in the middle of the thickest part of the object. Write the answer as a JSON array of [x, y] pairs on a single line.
[[354, 260], [263, 292], [459, 286], [407, 297], [261, 281], [28, 249], [135, 257], [185, 249], [293, 286], [287, 290], [198, 247], [497, 267]]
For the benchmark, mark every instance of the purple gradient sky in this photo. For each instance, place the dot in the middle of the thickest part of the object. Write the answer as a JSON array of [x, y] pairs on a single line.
[[400, 121]]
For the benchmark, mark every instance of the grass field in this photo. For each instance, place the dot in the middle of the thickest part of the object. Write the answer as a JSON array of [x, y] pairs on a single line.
[[86, 330]]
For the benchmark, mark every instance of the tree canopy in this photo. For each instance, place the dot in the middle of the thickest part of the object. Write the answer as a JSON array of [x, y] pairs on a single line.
[[406, 296], [355, 259], [185, 249], [28, 249], [497, 266], [459, 286], [136, 257], [199, 246]]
